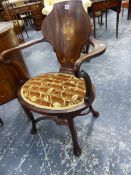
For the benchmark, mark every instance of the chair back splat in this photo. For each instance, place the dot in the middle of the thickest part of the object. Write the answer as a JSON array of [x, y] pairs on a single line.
[[68, 30]]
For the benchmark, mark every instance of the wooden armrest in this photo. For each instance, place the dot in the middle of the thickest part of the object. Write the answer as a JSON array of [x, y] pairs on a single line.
[[99, 49], [19, 47]]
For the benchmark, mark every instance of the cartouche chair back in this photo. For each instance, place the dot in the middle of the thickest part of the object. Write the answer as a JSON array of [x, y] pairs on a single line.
[[69, 93], [67, 30]]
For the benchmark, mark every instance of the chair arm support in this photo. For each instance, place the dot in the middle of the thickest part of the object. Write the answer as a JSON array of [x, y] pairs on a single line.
[[99, 49], [19, 47], [89, 96]]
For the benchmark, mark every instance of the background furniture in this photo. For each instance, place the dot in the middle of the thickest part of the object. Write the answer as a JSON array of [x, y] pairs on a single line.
[[129, 10], [104, 5], [18, 24], [48, 5], [8, 76], [1, 11], [18, 2], [69, 93], [35, 9], [26, 16], [124, 5]]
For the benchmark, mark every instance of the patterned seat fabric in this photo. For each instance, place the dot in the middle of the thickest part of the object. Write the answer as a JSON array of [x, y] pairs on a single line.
[[55, 91]]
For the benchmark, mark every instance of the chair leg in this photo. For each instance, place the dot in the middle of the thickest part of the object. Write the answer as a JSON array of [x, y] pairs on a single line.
[[76, 147], [106, 18], [122, 11], [31, 23], [117, 23], [1, 122], [26, 31], [95, 113], [87, 48], [102, 18], [31, 117], [99, 20], [94, 23]]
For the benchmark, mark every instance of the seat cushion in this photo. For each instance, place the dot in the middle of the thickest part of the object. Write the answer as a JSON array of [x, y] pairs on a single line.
[[54, 91]]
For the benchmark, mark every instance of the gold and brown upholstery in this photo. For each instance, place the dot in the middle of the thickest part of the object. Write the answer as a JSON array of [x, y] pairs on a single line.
[[69, 93], [54, 91]]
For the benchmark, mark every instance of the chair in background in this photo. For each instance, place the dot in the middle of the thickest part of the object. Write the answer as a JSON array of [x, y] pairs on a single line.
[[125, 4], [1, 12], [19, 24], [26, 16], [61, 96]]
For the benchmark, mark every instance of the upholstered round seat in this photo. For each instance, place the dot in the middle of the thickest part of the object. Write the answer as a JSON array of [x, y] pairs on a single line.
[[54, 91]]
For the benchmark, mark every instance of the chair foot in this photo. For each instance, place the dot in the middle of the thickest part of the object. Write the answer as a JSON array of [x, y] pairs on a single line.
[[77, 152], [1, 122], [76, 147], [33, 130], [95, 113]]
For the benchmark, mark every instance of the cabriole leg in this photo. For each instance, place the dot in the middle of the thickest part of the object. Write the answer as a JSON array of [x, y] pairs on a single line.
[[76, 147], [95, 113]]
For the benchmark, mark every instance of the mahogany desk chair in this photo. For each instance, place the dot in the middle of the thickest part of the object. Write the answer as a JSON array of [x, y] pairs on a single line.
[[69, 93]]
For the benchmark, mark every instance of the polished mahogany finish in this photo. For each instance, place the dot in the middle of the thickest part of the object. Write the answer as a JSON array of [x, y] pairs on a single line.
[[68, 29], [104, 5], [64, 38]]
